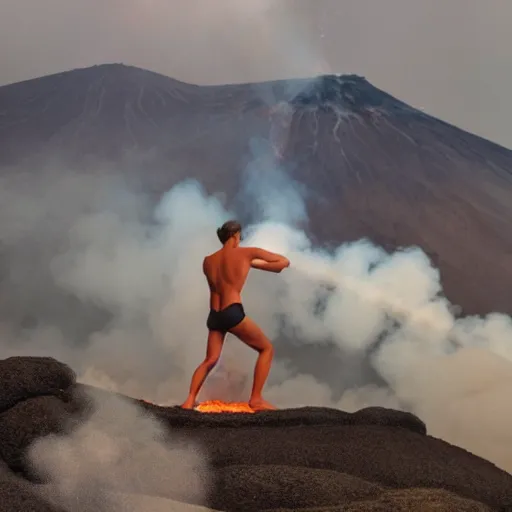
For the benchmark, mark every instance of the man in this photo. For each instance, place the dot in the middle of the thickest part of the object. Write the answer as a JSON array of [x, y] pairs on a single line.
[[226, 272]]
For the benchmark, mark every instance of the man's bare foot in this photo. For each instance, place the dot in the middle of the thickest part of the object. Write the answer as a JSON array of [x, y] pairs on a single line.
[[261, 405], [188, 404]]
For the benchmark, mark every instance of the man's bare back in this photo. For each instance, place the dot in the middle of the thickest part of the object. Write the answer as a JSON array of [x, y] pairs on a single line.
[[226, 272], [227, 269]]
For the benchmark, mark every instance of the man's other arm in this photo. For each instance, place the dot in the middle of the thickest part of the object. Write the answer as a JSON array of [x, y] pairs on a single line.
[[268, 261]]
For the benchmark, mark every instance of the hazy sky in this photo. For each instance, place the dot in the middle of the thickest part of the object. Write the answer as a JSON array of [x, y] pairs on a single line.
[[451, 57]]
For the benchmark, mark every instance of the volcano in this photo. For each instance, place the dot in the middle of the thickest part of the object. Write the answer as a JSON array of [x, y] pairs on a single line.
[[372, 166]]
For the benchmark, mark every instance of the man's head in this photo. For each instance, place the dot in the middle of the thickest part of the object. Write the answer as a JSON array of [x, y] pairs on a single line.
[[230, 229]]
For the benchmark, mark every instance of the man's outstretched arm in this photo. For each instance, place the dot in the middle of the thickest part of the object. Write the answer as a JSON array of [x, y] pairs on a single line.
[[268, 261]]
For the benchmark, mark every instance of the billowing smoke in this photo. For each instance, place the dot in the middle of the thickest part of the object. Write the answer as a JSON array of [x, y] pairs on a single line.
[[138, 321], [116, 458]]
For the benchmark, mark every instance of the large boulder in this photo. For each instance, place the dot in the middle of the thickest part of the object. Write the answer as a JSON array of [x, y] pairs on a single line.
[[26, 422], [393, 457], [253, 488], [18, 495], [26, 377]]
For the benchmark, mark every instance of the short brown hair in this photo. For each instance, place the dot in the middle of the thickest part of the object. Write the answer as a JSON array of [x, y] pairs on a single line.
[[228, 229]]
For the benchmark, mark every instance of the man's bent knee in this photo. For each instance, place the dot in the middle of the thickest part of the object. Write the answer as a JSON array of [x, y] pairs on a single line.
[[267, 349]]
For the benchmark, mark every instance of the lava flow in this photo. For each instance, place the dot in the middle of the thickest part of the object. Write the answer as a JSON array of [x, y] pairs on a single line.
[[218, 406]]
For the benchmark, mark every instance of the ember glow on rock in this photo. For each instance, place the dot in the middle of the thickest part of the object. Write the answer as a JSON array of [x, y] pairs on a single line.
[[220, 406]]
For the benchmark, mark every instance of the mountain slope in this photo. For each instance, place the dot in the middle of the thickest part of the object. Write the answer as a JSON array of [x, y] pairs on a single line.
[[372, 165]]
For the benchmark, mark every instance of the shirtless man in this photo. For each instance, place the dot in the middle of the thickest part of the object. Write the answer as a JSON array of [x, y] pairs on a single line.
[[226, 271]]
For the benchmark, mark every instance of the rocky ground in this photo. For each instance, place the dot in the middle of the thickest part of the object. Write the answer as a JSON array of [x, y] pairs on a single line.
[[66, 446]]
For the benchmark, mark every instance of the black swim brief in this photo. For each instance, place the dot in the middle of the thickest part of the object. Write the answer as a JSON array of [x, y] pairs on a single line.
[[225, 319]]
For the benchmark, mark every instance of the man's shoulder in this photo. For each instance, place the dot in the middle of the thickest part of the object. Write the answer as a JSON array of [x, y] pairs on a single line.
[[245, 252], [210, 256], [247, 249]]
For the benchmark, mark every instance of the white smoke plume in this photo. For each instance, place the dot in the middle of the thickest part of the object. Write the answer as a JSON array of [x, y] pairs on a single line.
[[369, 327], [118, 454]]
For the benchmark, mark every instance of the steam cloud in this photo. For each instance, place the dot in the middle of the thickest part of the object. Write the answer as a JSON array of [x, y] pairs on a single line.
[[116, 460]]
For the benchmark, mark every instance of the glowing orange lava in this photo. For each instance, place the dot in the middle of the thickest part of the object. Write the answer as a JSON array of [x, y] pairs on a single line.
[[220, 406]]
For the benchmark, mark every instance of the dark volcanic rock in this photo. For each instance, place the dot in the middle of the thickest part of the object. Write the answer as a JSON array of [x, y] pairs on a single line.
[[26, 422], [252, 488], [17, 495], [314, 416], [381, 168], [389, 418], [298, 459], [34, 401], [425, 500], [381, 446], [25, 377], [387, 456]]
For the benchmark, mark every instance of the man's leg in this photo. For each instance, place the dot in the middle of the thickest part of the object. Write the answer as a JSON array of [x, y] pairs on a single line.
[[213, 350], [249, 332]]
